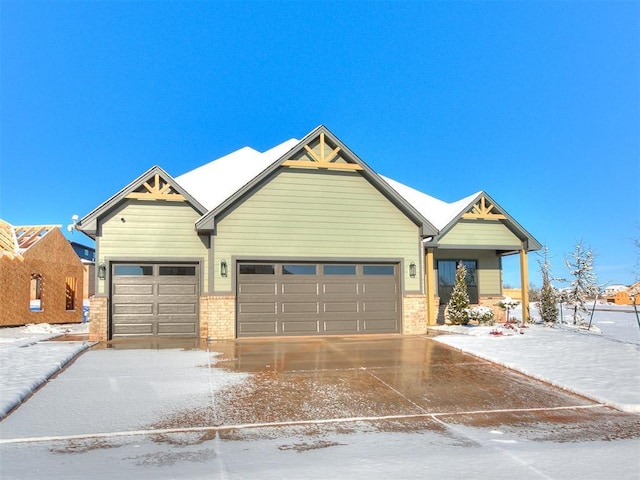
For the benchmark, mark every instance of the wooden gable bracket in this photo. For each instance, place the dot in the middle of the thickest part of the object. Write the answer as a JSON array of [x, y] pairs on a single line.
[[483, 210], [324, 159], [159, 190]]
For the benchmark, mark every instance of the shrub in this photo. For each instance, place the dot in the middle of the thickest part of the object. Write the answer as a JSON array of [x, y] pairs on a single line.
[[456, 311], [481, 314]]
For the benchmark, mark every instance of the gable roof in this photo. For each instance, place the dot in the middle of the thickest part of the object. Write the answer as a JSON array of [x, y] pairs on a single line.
[[155, 184], [214, 187], [284, 154], [470, 210]]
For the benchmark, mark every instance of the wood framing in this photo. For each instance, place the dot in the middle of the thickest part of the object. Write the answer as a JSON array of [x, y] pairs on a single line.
[[28, 235], [42, 279]]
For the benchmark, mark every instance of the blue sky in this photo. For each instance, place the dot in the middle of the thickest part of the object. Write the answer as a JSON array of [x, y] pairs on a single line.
[[536, 103]]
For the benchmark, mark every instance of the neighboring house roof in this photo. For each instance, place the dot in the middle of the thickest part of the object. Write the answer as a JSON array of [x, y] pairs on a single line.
[[28, 235], [15, 240]]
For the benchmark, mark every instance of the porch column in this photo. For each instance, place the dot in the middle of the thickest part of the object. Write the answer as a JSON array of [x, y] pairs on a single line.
[[524, 284], [430, 282]]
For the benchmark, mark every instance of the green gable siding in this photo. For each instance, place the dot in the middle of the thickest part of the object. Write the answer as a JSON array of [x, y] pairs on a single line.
[[489, 265], [151, 230], [316, 214], [480, 232]]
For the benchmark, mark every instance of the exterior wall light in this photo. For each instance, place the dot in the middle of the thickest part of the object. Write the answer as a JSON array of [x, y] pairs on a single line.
[[223, 268], [412, 270], [102, 271]]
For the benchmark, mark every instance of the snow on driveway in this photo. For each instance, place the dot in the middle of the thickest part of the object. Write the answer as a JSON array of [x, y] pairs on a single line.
[[593, 365], [27, 359]]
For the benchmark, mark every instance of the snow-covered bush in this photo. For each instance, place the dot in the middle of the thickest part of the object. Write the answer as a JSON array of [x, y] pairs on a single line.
[[548, 301], [508, 304], [481, 314]]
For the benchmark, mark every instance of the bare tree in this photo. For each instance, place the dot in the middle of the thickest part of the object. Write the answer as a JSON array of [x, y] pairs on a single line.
[[584, 284]]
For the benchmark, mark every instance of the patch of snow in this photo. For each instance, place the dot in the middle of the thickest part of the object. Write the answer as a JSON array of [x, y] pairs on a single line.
[[590, 363]]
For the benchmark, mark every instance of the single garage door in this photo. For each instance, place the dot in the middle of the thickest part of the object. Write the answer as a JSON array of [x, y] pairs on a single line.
[[154, 299], [317, 298]]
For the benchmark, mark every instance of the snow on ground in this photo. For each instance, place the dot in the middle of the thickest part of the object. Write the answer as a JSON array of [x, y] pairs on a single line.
[[27, 359], [602, 364]]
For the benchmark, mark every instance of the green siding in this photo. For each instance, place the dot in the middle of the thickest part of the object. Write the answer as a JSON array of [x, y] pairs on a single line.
[[489, 274], [151, 230], [316, 214], [480, 232]]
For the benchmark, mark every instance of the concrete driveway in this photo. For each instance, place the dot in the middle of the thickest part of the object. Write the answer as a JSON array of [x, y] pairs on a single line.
[[404, 383], [346, 407]]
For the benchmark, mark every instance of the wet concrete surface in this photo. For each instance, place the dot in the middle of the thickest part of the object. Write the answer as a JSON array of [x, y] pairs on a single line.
[[396, 383]]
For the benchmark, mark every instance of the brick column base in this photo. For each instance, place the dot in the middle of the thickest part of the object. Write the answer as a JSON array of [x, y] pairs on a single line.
[[98, 319], [218, 317], [414, 314]]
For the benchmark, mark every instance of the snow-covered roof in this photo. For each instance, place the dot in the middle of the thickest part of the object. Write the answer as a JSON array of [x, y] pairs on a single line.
[[439, 213], [212, 183], [212, 187]]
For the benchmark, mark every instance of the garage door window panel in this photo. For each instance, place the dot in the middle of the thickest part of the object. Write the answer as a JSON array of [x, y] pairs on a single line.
[[349, 270], [298, 269], [257, 269], [133, 270], [176, 271], [379, 270]]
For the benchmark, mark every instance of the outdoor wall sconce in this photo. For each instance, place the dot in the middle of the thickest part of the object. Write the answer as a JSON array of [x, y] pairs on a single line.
[[102, 271], [412, 270], [223, 268]]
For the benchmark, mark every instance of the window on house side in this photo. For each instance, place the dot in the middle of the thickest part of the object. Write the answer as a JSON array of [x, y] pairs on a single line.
[[71, 284], [35, 293]]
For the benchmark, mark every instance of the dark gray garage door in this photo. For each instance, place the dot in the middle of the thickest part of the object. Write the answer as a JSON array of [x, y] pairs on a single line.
[[317, 298], [154, 299]]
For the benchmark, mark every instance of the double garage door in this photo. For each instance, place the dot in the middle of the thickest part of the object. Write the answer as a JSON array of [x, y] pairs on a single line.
[[154, 299], [316, 298]]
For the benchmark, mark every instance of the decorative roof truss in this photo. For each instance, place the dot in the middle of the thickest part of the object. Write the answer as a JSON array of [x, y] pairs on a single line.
[[156, 188], [482, 209], [320, 154]]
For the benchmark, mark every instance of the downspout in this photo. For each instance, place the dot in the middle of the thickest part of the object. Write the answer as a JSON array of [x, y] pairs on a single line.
[[430, 283]]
